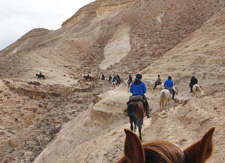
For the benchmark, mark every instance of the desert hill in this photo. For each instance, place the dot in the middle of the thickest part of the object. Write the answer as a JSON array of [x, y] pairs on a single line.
[[65, 118]]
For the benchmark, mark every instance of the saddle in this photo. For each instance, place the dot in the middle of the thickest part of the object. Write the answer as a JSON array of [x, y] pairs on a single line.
[[170, 89], [136, 98]]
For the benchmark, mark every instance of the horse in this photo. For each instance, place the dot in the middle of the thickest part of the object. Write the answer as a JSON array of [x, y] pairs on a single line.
[[39, 76], [165, 97], [162, 151], [196, 90], [160, 86], [136, 111], [151, 84], [88, 77]]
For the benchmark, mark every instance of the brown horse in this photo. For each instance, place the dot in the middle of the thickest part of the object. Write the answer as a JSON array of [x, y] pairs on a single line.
[[118, 81], [136, 111], [88, 77], [166, 152], [39, 76]]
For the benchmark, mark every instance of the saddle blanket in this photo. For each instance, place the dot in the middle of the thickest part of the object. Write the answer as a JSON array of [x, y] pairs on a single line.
[[136, 98]]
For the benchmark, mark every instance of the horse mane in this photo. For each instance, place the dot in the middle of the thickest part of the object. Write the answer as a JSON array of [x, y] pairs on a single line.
[[160, 151]]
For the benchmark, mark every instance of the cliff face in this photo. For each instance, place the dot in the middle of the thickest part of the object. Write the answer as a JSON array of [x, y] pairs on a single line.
[[99, 9], [81, 13]]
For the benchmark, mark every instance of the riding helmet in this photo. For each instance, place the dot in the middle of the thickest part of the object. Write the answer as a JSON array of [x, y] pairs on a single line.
[[169, 77], [138, 76]]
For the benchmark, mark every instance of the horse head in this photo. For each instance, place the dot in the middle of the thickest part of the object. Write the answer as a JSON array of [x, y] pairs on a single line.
[[164, 152], [176, 90]]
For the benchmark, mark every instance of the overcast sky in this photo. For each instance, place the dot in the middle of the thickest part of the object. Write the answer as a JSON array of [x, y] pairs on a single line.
[[17, 17]]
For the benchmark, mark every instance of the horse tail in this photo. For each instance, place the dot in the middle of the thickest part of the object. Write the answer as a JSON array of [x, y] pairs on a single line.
[[162, 100], [131, 113], [200, 90]]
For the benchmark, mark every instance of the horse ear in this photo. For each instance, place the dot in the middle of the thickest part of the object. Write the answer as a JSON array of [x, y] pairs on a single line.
[[201, 150], [133, 149]]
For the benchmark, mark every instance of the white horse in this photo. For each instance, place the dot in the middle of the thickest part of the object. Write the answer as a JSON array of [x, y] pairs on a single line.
[[151, 84], [160, 87], [165, 97], [196, 89]]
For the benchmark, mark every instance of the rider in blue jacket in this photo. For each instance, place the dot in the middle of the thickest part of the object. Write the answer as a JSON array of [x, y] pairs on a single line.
[[169, 85], [138, 88]]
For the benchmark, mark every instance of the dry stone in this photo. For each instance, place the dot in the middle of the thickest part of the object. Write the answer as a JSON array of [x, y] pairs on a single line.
[[13, 142]]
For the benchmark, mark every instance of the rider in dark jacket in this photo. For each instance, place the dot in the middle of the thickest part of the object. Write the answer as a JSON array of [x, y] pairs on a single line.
[[193, 82], [138, 88], [158, 82], [129, 80], [103, 77], [110, 78]]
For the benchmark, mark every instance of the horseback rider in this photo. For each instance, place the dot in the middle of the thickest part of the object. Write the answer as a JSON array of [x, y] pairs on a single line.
[[169, 85], [118, 77], [193, 81], [158, 82], [110, 78], [114, 79], [129, 79], [138, 88], [103, 77]]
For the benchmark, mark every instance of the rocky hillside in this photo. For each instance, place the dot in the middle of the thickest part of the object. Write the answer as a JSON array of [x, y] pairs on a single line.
[[65, 118]]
